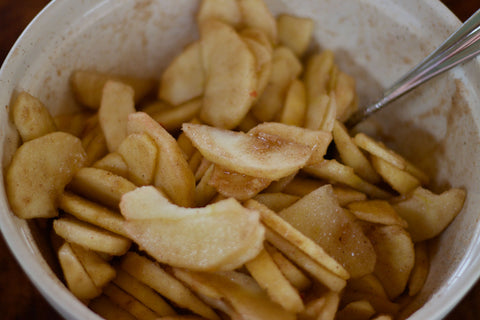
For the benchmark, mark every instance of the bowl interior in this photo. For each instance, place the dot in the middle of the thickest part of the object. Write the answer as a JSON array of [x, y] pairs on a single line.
[[435, 126]]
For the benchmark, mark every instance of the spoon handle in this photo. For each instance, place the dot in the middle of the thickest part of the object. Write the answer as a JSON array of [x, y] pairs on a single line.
[[460, 46]]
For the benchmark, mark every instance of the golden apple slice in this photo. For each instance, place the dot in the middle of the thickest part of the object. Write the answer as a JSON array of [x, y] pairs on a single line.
[[358, 310], [100, 271], [90, 236], [139, 152], [367, 284], [378, 149], [39, 171], [317, 74], [295, 107], [172, 172], [267, 274], [327, 309], [255, 14], [88, 85], [236, 185], [101, 186], [263, 58], [317, 140], [241, 292], [305, 262], [114, 163], [154, 276], [293, 274], [142, 293], [184, 78], [230, 83], [294, 236], [320, 218], [264, 156], [30, 117], [351, 155], [332, 170], [227, 11], [208, 238], [128, 303], [171, 119], [276, 201], [117, 103], [400, 180], [395, 256], [204, 192], [105, 308], [301, 186], [428, 214], [295, 32], [321, 113], [420, 269], [285, 68], [92, 212], [376, 211], [73, 123], [345, 95], [346, 195], [78, 280]]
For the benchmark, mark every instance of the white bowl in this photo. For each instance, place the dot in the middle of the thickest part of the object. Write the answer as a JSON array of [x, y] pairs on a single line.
[[376, 41]]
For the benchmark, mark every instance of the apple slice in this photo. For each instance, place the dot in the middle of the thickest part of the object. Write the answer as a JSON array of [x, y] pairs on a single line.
[[183, 79], [319, 216], [317, 140], [117, 103], [39, 171], [295, 32], [227, 11], [255, 14], [208, 238], [236, 185], [31, 117], [77, 278], [230, 83], [427, 214], [88, 85], [264, 156], [268, 275], [172, 172], [240, 291], [395, 256], [154, 276], [100, 186], [100, 271], [142, 293]]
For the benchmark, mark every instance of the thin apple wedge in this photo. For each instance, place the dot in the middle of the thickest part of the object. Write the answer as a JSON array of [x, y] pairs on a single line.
[[172, 172], [183, 80], [263, 156], [317, 140], [428, 214], [221, 236], [116, 104], [77, 278], [230, 84], [319, 216], [39, 171], [31, 117]]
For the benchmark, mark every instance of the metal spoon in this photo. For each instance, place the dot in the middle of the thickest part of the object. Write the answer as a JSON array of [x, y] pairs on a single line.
[[460, 46]]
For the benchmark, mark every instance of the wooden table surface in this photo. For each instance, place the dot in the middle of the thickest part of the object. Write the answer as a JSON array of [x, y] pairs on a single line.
[[18, 298]]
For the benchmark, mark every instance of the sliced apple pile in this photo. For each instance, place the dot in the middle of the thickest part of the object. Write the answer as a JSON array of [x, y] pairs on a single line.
[[220, 236], [243, 194]]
